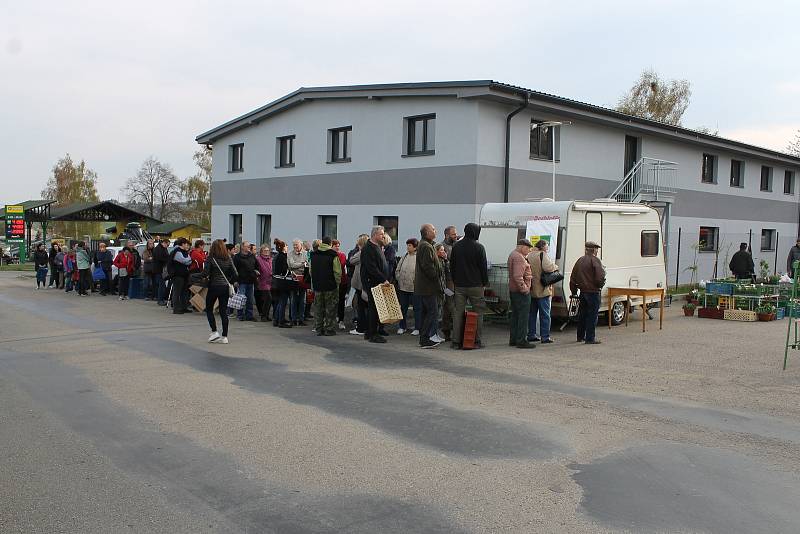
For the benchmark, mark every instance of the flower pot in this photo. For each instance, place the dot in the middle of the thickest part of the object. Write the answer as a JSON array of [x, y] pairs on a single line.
[[688, 312], [765, 317]]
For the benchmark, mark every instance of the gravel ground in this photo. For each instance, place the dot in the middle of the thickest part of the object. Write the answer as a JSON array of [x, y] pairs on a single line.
[[284, 431]]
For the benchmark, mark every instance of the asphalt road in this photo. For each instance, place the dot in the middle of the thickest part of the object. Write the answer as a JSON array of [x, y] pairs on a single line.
[[119, 417]]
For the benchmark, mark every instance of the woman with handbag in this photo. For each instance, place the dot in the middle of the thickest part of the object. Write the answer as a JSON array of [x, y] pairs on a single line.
[[281, 284], [264, 282], [126, 265], [40, 262], [221, 274], [542, 271]]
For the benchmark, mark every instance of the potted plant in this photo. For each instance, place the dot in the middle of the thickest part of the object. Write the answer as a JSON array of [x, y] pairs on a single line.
[[688, 309], [766, 312]]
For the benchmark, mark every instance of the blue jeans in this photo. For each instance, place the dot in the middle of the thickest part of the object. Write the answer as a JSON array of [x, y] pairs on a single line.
[[297, 306], [540, 313], [405, 299], [587, 316], [249, 291], [161, 285], [279, 313], [41, 276]]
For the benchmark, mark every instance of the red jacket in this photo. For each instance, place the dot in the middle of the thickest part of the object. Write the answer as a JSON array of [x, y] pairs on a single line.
[[343, 261], [198, 256], [125, 260]]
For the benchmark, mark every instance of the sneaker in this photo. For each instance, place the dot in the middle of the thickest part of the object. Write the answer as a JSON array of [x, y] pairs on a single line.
[[314, 331], [121, 298], [415, 333], [401, 331], [355, 332], [429, 344], [223, 340], [377, 339], [213, 337], [533, 339], [545, 341], [342, 326], [436, 339]]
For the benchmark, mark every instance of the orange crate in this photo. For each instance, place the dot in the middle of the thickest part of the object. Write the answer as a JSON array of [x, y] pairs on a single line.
[[470, 330]]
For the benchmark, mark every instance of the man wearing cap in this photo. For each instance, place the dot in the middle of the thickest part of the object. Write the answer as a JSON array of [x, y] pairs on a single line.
[[519, 291], [589, 276]]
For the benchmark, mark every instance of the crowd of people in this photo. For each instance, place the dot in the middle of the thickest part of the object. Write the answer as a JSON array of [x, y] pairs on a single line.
[[437, 279]]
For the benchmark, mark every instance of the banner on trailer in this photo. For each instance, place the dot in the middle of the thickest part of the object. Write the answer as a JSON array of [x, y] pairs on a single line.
[[544, 227]]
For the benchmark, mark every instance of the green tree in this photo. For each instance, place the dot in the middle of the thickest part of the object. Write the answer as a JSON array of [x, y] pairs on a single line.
[[657, 99], [71, 183], [793, 147], [197, 190]]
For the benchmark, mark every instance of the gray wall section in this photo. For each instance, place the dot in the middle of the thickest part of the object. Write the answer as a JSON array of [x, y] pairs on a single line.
[[473, 184]]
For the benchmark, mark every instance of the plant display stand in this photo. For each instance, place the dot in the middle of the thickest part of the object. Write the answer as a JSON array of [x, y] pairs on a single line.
[[792, 342]]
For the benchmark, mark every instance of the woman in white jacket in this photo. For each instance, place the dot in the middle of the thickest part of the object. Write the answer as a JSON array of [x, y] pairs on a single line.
[[404, 274]]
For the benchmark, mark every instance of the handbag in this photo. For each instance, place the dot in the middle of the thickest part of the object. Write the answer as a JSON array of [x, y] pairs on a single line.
[[237, 301], [98, 273], [231, 290], [123, 272], [548, 279]]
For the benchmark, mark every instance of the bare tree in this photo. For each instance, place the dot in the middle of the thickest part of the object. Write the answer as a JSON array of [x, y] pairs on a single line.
[[793, 147], [156, 187], [657, 99]]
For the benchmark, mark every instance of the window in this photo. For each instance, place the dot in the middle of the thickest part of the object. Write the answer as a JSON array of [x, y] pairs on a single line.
[[236, 228], [236, 158], [420, 135], [542, 140], [264, 229], [327, 226], [708, 239], [285, 149], [709, 175], [788, 183], [768, 239], [390, 224], [766, 178], [339, 143], [650, 242], [737, 174]]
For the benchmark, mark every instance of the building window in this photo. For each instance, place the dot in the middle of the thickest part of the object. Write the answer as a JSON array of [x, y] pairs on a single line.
[[327, 226], [766, 178], [768, 239], [236, 228], [709, 175], [650, 242], [285, 151], [708, 239], [737, 168], [420, 135], [339, 143], [236, 158], [542, 140], [788, 182], [264, 229], [390, 225]]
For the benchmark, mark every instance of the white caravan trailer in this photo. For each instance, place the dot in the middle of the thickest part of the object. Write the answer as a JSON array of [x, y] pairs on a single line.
[[629, 234]]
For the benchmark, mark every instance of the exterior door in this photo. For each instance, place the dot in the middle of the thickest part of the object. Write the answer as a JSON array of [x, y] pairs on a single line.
[[594, 229], [631, 153]]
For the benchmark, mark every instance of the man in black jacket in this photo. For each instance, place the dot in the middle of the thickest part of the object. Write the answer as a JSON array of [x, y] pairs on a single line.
[[326, 276], [179, 269], [741, 264], [160, 259], [470, 277], [245, 263], [103, 259], [373, 273]]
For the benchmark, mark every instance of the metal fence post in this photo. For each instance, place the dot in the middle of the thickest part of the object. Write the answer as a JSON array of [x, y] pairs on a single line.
[[678, 262]]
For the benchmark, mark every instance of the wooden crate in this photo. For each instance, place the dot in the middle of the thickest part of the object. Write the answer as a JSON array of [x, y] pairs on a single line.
[[740, 315], [387, 304]]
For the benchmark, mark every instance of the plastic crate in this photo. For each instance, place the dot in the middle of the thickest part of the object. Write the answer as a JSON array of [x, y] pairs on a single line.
[[780, 313], [719, 288], [741, 315], [387, 304]]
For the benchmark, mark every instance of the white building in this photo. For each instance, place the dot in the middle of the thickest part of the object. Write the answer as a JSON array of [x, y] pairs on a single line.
[[337, 160]]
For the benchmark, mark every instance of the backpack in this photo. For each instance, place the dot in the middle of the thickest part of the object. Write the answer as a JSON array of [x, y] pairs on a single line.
[[169, 268]]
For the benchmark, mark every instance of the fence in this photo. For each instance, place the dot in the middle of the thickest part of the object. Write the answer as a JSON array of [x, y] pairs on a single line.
[[691, 263]]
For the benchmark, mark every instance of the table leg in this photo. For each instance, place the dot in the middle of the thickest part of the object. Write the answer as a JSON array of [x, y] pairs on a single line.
[[661, 309], [644, 312], [610, 305]]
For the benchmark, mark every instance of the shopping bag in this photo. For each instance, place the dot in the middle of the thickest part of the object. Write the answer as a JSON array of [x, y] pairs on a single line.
[[98, 273], [238, 301]]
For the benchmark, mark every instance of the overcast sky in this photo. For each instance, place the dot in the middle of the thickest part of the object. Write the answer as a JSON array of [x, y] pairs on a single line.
[[113, 84]]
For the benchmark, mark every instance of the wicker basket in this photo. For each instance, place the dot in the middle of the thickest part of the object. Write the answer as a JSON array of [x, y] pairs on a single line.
[[387, 304], [740, 315]]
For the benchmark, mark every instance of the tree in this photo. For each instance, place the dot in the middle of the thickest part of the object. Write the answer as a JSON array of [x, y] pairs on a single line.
[[155, 187], [197, 190], [793, 147], [657, 99], [72, 183]]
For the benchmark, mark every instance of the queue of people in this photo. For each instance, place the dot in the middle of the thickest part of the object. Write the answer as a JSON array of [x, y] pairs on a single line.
[[437, 279]]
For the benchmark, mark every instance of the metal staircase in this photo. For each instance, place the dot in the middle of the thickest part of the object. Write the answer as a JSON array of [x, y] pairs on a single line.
[[650, 180]]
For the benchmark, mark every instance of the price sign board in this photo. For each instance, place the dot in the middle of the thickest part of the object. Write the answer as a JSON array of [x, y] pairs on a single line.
[[15, 223]]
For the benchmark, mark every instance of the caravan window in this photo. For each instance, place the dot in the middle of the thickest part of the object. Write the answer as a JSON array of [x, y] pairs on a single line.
[[521, 235], [649, 243]]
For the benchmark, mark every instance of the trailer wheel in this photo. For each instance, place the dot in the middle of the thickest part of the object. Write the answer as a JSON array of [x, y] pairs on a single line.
[[618, 311]]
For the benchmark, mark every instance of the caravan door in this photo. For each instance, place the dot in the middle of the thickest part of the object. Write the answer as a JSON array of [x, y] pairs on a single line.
[[594, 229]]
